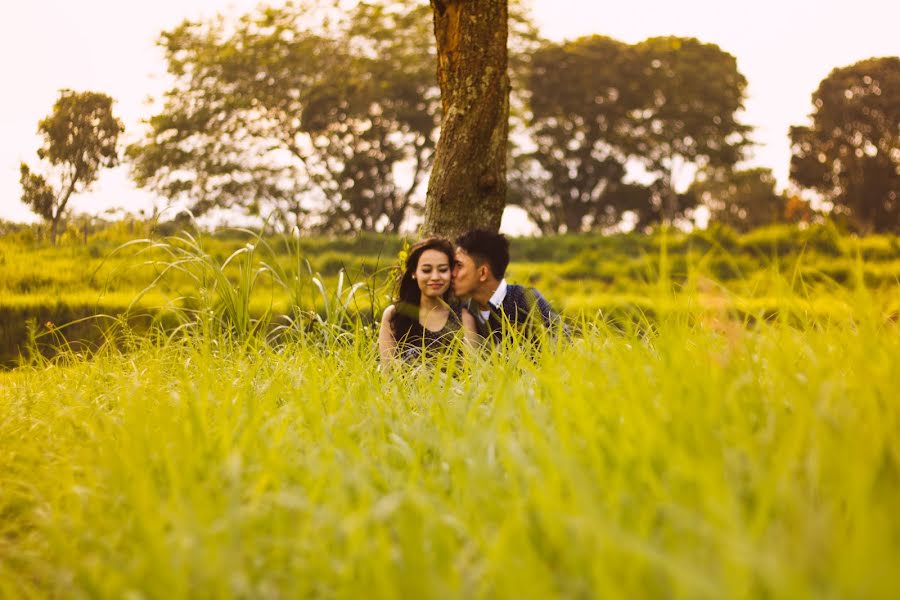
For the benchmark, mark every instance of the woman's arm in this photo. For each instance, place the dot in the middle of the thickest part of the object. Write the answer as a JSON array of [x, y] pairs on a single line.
[[387, 343], [469, 329]]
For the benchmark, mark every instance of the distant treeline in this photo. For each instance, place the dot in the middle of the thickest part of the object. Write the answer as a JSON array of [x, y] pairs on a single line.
[[328, 121]]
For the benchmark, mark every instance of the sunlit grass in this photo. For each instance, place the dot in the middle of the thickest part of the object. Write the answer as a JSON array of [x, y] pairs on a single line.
[[694, 438], [701, 458]]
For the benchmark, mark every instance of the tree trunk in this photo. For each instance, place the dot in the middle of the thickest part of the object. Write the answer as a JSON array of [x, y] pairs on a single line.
[[573, 215], [467, 188]]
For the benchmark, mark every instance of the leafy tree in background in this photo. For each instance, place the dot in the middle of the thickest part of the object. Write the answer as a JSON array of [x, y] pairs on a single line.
[[581, 96], [401, 127], [211, 146], [330, 123], [80, 138], [600, 108], [324, 119], [851, 152], [692, 94], [742, 200]]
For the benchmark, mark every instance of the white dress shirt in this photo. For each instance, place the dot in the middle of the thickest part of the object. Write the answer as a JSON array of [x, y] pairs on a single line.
[[496, 300]]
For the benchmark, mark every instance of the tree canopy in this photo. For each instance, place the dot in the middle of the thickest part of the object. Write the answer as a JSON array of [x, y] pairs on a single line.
[[80, 137], [328, 119], [692, 96], [600, 108], [581, 95], [321, 118], [851, 151]]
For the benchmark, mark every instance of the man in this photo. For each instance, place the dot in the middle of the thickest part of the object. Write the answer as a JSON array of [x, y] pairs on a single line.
[[481, 261]]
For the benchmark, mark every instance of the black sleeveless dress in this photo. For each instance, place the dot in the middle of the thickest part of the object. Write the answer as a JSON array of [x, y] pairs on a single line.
[[421, 342]]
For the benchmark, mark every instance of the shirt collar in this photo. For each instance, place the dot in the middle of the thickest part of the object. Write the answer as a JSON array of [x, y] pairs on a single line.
[[499, 294]]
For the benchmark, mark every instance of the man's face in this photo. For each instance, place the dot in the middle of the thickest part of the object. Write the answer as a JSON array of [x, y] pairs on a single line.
[[465, 274]]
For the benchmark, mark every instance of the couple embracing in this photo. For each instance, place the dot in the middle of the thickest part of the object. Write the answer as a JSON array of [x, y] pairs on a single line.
[[449, 290]]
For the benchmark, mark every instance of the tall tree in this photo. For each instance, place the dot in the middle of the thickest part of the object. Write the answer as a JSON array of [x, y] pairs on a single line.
[[689, 118], [851, 151], [327, 118], [581, 96], [80, 138], [467, 187], [401, 127], [601, 108]]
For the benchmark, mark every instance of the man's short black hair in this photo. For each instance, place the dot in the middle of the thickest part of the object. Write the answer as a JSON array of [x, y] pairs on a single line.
[[486, 247]]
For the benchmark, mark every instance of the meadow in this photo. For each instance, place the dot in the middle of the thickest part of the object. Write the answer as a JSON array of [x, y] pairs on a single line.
[[723, 422], [126, 272]]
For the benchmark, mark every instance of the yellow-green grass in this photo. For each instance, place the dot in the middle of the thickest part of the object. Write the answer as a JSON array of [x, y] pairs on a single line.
[[273, 280], [693, 438], [617, 264], [697, 459]]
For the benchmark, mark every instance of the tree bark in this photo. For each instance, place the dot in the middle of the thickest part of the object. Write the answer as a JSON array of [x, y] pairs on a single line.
[[56, 216], [467, 188]]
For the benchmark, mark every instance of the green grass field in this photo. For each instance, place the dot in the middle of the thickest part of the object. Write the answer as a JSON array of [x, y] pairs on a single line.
[[712, 438], [768, 272]]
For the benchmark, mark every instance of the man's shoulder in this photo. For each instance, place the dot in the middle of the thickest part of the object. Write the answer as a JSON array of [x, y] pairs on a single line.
[[515, 290], [522, 301], [520, 293]]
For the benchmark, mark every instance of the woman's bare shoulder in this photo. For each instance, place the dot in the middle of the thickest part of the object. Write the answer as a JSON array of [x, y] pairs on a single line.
[[388, 313]]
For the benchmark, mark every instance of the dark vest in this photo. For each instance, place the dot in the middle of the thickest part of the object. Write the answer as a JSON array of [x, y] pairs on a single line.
[[522, 308]]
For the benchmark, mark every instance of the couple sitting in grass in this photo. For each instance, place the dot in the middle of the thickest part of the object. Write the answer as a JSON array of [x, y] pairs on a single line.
[[446, 292]]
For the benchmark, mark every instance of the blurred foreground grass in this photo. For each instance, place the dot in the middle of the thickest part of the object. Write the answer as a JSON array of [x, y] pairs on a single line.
[[698, 458], [723, 423]]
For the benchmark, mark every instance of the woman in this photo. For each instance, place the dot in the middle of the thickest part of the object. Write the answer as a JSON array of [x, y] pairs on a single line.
[[422, 318]]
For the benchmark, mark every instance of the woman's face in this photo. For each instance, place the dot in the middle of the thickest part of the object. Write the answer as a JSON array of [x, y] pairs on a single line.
[[433, 273]]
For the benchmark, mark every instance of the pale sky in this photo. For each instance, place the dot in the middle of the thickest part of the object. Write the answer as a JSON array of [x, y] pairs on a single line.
[[783, 47]]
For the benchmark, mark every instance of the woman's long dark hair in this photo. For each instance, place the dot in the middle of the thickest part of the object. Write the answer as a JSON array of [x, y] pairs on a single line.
[[409, 296]]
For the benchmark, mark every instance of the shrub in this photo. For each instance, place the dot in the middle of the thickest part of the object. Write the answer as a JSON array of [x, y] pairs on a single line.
[[823, 239], [727, 268], [775, 240], [876, 247], [715, 237], [589, 266]]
